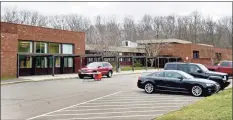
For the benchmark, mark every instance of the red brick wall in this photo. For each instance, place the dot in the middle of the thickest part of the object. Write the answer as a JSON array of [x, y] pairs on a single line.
[[9, 47], [177, 50]]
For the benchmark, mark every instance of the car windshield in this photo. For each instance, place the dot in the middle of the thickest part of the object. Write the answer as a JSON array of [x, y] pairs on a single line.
[[188, 76], [93, 65], [203, 68]]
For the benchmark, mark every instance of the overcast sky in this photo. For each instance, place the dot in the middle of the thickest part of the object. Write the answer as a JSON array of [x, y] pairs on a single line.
[[120, 9]]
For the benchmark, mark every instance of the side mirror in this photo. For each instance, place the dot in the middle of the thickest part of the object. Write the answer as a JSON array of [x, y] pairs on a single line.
[[199, 71], [180, 78], [99, 66]]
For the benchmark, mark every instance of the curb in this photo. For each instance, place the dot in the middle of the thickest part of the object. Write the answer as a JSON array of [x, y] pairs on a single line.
[[24, 81]]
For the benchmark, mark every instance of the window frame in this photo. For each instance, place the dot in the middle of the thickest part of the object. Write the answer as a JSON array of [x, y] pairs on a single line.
[[31, 46]]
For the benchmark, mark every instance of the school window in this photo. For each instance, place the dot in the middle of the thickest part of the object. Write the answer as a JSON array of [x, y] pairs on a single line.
[[25, 46], [195, 54]]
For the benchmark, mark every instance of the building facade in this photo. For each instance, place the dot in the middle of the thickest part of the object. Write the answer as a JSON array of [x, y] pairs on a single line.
[[16, 38]]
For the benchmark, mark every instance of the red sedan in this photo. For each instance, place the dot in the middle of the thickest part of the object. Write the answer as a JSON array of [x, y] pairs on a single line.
[[104, 67]]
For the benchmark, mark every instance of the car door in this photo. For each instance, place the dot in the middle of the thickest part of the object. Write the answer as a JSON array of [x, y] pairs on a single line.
[[196, 71], [159, 79], [101, 68], [174, 81]]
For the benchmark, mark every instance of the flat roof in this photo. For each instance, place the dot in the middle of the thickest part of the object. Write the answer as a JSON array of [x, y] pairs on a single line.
[[164, 41]]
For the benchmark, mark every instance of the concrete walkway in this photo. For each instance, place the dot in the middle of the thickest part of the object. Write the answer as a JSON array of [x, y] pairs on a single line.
[[64, 76]]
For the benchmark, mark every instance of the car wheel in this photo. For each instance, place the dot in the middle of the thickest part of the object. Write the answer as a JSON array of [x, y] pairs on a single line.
[[149, 88], [196, 91], [109, 75], [81, 76]]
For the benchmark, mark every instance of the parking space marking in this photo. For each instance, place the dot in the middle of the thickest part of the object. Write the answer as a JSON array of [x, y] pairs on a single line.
[[120, 108], [164, 99], [74, 105], [102, 113], [128, 102], [128, 105], [107, 117]]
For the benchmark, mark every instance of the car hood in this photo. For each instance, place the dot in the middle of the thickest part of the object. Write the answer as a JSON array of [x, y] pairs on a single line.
[[215, 73], [203, 80]]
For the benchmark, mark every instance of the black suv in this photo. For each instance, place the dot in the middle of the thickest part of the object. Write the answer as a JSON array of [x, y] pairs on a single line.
[[199, 71]]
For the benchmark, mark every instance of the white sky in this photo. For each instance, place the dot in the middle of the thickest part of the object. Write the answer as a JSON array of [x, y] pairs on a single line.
[[120, 9]]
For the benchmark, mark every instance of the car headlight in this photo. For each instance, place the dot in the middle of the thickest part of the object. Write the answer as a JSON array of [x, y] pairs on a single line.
[[224, 78], [209, 84]]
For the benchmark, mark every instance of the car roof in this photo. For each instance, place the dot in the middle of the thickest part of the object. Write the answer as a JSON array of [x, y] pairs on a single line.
[[182, 63], [170, 71]]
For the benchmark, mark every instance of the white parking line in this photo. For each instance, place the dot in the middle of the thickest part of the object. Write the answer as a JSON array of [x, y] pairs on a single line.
[[103, 113], [127, 102], [128, 105], [163, 99], [73, 106], [107, 117], [120, 108]]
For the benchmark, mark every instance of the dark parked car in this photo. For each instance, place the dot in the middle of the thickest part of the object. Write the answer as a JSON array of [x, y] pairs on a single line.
[[199, 71], [104, 67], [177, 81]]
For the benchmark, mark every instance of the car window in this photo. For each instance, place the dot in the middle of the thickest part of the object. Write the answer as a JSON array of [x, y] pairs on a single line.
[[157, 74], [224, 64], [194, 68], [170, 67], [172, 75], [182, 67], [105, 64]]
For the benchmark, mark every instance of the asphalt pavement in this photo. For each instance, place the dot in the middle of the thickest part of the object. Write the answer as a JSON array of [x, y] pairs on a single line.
[[112, 98]]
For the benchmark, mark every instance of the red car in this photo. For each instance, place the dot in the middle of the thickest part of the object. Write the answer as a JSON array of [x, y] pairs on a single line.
[[104, 67], [225, 66]]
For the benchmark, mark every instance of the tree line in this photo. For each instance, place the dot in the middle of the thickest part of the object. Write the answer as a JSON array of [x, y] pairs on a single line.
[[109, 31]]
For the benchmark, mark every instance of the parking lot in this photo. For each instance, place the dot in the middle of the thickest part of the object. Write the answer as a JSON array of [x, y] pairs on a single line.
[[116, 98], [122, 106]]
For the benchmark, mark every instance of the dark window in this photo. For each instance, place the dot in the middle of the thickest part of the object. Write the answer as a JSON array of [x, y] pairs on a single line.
[[41, 62], [225, 64], [218, 56], [126, 43], [172, 75], [25, 62], [157, 74], [194, 68], [68, 62], [195, 54], [40, 47], [182, 67], [170, 67]]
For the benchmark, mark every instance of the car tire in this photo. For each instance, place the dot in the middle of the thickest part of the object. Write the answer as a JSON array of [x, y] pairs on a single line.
[[81, 76], [197, 91], [109, 75], [149, 88]]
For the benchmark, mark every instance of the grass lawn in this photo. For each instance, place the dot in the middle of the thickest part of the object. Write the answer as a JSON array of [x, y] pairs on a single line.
[[7, 78], [215, 107], [129, 68]]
